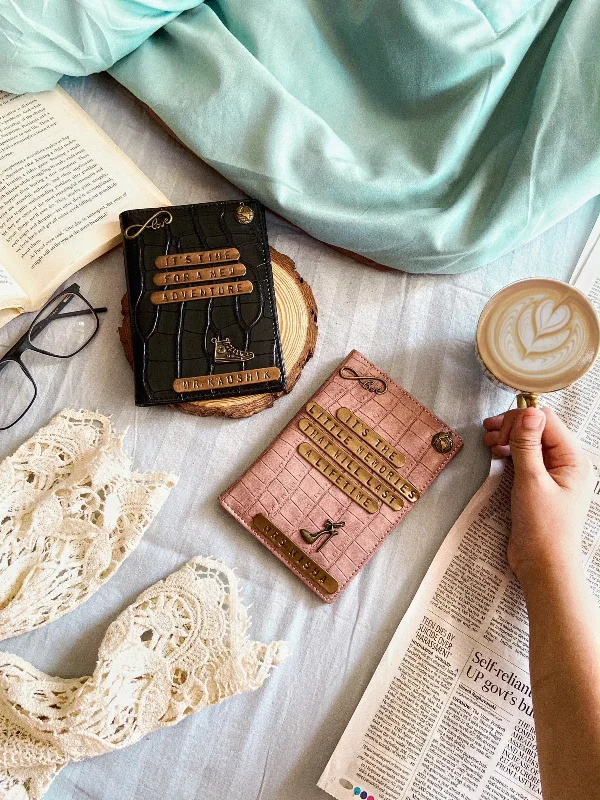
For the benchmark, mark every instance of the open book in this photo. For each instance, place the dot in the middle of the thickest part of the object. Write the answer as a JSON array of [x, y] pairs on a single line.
[[63, 184]]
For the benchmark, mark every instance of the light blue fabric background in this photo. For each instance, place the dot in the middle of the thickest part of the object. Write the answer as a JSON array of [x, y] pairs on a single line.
[[274, 743], [428, 135]]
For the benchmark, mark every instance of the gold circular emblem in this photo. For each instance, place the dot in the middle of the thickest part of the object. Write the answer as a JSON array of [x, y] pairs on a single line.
[[442, 442], [244, 214]]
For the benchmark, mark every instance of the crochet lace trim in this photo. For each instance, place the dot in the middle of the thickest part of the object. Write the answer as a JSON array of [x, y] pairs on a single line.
[[71, 511], [181, 646]]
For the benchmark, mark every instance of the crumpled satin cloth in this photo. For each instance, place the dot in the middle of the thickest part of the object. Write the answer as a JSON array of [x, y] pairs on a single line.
[[181, 646], [71, 511], [428, 135]]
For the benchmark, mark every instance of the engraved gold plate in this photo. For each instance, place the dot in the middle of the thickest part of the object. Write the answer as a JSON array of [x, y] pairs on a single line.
[[292, 554], [361, 474], [352, 442], [377, 442], [225, 379], [199, 275], [338, 478], [202, 257], [376, 463], [208, 292]]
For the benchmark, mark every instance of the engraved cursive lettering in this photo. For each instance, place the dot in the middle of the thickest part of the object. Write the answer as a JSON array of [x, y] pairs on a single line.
[[369, 382], [158, 220]]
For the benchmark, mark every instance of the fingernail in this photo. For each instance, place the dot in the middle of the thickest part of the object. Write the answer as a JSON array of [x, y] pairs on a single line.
[[532, 418]]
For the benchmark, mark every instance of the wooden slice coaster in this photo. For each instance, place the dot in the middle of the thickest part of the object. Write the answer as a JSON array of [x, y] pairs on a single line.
[[297, 311]]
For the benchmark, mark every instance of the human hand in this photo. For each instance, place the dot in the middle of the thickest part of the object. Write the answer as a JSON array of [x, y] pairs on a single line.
[[551, 490]]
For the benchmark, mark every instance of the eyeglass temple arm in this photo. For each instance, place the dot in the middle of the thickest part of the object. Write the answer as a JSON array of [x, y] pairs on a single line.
[[83, 311], [43, 322]]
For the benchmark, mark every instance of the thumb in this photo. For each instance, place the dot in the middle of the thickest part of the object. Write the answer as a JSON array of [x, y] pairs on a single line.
[[526, 442]]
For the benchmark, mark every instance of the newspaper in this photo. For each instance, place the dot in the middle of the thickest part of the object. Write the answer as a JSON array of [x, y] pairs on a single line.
[[448, 713]]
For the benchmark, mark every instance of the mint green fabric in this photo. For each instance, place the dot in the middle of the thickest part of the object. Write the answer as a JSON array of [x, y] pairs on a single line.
[[428, 135]]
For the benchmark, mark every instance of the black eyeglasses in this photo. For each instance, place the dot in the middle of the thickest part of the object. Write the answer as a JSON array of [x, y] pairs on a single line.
[[57, 332]]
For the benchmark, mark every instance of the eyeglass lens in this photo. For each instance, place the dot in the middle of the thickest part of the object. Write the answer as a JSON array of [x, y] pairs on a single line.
[[61, 329], [64, 326], [17, 392]]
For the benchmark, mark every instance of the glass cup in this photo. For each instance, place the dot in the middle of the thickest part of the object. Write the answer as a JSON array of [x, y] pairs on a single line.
[[536, 336]]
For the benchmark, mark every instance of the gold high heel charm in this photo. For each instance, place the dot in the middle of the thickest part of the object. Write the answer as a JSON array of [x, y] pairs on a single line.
[[329, 530]]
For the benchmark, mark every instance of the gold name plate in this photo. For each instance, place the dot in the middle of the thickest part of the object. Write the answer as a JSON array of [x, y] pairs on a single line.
[[226, 379], [203, 257], [341, 457], [355, 444], [207, 292], [292, 554], [368, 434], [366, 455], [338, 478], [198, 275]]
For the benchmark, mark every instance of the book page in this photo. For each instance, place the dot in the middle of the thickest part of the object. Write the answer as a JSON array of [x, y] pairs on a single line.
[[591, 251], [448, 714], [63, 183], [11, 293]]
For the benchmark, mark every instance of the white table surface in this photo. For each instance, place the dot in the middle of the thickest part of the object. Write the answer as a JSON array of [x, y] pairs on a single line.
[[271, 744]]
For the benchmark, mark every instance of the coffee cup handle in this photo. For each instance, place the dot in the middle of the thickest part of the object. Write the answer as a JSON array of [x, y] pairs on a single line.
[[527, 400]]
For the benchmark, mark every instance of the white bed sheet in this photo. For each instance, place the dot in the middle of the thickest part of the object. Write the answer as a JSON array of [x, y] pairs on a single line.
[[271, 744]]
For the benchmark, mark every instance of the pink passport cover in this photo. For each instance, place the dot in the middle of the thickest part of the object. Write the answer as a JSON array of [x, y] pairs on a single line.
[[293, 495]]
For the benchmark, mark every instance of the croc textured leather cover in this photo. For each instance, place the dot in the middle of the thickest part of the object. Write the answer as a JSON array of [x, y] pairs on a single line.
[[175, 340], [293, 495]]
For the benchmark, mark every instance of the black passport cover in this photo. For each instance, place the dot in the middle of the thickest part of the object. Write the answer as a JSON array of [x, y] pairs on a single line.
[[175, 340]]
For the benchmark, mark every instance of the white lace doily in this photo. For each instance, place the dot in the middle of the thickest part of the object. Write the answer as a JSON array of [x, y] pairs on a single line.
[[71, 511], [181, 646]]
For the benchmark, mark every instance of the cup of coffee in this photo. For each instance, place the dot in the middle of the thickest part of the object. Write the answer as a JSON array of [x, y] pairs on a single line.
[[536, 336]]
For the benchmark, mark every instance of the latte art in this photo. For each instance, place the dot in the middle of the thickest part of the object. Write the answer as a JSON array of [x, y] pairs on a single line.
[[538, 335], [535, 336]]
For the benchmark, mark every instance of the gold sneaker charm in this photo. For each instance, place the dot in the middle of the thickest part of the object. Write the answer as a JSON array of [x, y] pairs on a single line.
[[226, 353]]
